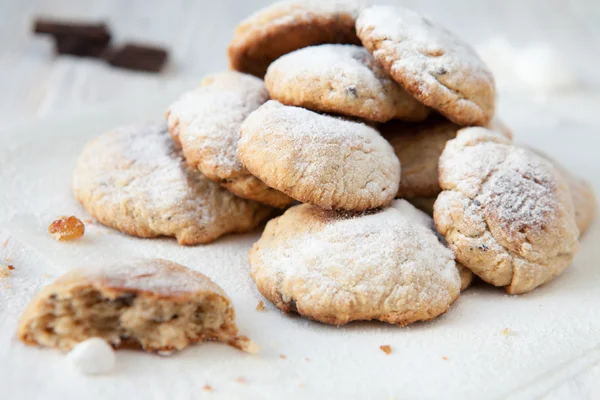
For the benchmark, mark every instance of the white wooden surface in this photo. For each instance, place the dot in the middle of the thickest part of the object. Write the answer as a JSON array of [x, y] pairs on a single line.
[[33, 82]]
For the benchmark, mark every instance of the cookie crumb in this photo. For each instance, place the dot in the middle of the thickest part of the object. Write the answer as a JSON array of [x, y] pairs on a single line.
[[241, 379], [11, 267], [66, 228], [5, 272], [260, 306], [5, 243], [445, 358], [282, 356], [505, 332], [386, 349], [208, 388]]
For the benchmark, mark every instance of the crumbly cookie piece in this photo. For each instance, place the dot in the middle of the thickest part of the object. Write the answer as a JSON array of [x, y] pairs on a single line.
[[318, 159], [287, 26], [206, 121], [506, 213], [582, 192], [419, 146], [430, 63], [341, 79], [154, 305], [336, 267], [135, 179], [466, 276]]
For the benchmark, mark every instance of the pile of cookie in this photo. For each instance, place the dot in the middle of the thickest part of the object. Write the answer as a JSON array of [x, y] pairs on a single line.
[[363, 115]]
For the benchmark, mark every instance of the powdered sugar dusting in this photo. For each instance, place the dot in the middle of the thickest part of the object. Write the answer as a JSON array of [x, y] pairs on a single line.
[[152, 275], [430, 62], [315, 158], [386, 262], [339, 78], [208, 121]]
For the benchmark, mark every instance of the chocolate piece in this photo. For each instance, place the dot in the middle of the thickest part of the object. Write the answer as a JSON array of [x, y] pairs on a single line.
[[137, 57], [97, 33], [80, 39]]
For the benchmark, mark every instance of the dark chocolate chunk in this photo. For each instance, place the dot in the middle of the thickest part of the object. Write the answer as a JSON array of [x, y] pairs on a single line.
[[93, 32], [137, 57], [79, 47]]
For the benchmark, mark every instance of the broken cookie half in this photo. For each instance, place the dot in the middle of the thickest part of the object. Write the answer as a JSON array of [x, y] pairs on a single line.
[[154, 305]]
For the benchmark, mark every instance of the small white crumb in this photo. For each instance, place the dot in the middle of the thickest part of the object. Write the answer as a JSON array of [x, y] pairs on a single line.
[[92, 357]]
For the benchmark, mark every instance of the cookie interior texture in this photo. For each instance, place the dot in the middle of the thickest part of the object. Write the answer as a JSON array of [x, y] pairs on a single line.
[[154, 305], [337, 267], [287, 26]]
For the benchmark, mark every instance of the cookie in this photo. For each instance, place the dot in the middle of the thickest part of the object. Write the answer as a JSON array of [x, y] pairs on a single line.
[[430, 63], [505, 212], [466, 276], [336, 267], [206, 121], [318, 159], [287, 26], [154, 305], [135, 179], [582, 192], [419, 146], [340, 79]]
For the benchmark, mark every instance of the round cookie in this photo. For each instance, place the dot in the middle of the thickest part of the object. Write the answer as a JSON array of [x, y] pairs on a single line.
[[419, 146], [135, 179], [340, 79], [337, 267], [318, 159], [430, 63], [154, 305], [286, 26], [505, 212], [582, 192], [206, 122]]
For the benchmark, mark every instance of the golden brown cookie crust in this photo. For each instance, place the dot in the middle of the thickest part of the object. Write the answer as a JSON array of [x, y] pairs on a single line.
[[505, 212], [419, 146], [130, 305], [430, 63], [135, 179], [312, 261], [287, 26], [318, 159], [340, 79]]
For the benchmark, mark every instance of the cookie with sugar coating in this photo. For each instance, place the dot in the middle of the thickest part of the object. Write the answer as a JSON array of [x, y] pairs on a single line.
[[336, 267], [318, 159], [340, 79], [286, 26], [206, 122], [135, 179], [150, 304], [505, 212], [582, 192], [429, 62], [419, 147]]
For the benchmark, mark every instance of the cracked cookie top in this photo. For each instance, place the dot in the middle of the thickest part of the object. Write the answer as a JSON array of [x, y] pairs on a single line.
[[506, 213], [341, 79], [206, 122], [136, 180], [286, 26], [430, 63], [336, 267], [319, 159]]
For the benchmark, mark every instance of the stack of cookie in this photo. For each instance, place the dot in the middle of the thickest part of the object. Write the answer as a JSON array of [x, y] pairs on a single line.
[[345, 108]]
